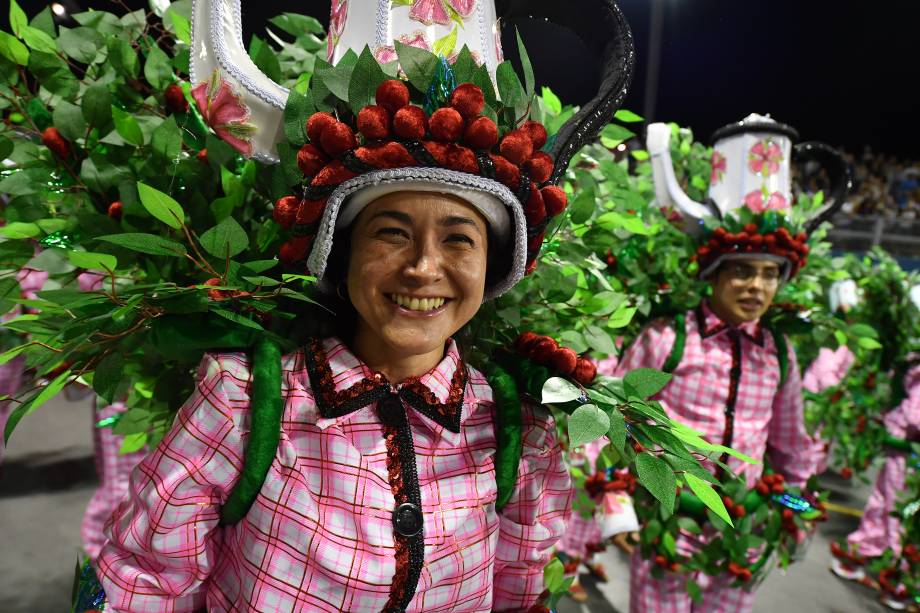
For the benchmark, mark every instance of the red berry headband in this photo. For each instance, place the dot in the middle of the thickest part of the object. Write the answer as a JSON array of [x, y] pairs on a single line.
[[397, 134], [753, 240]]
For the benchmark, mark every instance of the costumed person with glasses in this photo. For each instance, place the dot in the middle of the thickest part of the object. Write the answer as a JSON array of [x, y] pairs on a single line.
[[371, 470], [880, 530], [733, 379]]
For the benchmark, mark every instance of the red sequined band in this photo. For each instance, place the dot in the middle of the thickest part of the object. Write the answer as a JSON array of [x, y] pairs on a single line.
[[394, 474]]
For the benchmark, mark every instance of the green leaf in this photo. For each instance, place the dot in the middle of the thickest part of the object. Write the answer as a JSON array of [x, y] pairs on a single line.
[[19, 229], [37, 40], [694, 591], [133, 442], [622, 316], [646, 381], [444, 46], [599, 339], [658, 478], [226, 239], [365, 79], [13, 50], [265, 58], [617, 431], [708, 496], [47, 393], [529, 82], [44, 21], [237, 318], [53, 73], [464, 65], [689, 524], [868, 343], [167, 139], [9, 293], [181, 26], [510, 89], [587, 423], [551, 100], [6, 147], [127, 127], [97, 105], [557, 390], [553, 575], [482, 78], [18, 19], [158, 69], [107, 375], [145, 243], [297, 110], [297, 25], [92, 261], [68, 119], [583, 206], [627, 116], [418, 64], [123, 57], [81, 44], [161, 206]]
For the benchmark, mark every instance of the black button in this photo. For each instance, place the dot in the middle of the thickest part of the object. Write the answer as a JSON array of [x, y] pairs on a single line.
[[407, 519]]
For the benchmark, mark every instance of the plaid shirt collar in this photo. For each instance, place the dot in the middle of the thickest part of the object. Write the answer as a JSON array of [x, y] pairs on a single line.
[[709, 325], [342, 384]]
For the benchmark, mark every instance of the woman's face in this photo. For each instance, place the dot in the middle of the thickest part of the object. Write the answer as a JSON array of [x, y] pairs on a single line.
[[417, 270]]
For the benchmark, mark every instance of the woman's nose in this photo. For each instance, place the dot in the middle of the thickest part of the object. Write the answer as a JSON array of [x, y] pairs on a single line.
[[425, 264]]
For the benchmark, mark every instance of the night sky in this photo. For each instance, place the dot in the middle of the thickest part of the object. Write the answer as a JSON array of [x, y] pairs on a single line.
[[845, 72]]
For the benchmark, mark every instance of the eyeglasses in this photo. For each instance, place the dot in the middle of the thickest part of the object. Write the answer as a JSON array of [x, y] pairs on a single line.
[[744, 274]]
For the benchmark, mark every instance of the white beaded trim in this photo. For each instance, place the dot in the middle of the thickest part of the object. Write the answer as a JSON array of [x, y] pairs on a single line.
[[322, 244]]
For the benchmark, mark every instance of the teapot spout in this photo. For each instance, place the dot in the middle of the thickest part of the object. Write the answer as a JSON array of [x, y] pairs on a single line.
[[667, 189]]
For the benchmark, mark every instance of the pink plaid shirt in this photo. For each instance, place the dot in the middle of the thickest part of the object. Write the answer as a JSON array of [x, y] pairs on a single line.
[[767, 418], [828, 369], [319, 536]]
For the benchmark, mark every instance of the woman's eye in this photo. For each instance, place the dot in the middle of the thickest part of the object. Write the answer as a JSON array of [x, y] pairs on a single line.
[[393, 232], [462, 238]]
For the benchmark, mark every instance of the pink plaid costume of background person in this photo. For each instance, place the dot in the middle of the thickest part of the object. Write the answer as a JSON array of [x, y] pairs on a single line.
[[827, 370], [583, 531], [113, 469], [768, 422], [319, 536], [878, 530]]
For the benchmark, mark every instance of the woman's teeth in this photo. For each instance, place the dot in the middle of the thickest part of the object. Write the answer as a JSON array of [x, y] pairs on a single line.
[[417, 304]]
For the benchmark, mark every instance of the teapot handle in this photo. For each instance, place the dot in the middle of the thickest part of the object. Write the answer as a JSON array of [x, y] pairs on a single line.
[[840, 175]]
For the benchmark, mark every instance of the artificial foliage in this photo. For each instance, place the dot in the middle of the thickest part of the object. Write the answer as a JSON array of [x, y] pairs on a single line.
[[849, 415], [771, 524], [115, 175]]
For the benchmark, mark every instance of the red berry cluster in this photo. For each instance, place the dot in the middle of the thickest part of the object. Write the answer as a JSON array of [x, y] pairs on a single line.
[[222, 294], [737, 511], [666, 564], [912, 553], [742, 573], [114, 210], [770, 484], [175, 99], [889, 581], [781, 243], [845, 555], [451, 136], [52, 139], [597, 484], [545, 351]]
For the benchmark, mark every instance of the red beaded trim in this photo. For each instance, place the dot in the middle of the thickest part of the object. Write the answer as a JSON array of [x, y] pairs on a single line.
[[397, 485], [445, 413]]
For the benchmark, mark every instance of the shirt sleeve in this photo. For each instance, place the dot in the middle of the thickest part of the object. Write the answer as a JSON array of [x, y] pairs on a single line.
[[904, 420], [163, 540], [791, 450], [650, 349], [535, 517]]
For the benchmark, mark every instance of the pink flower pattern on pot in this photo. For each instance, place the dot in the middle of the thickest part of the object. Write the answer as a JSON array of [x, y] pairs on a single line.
[[224, 111], [337, 18], [387, 53], [719, 165], [432, 12], [758, 201], [764, 158]]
